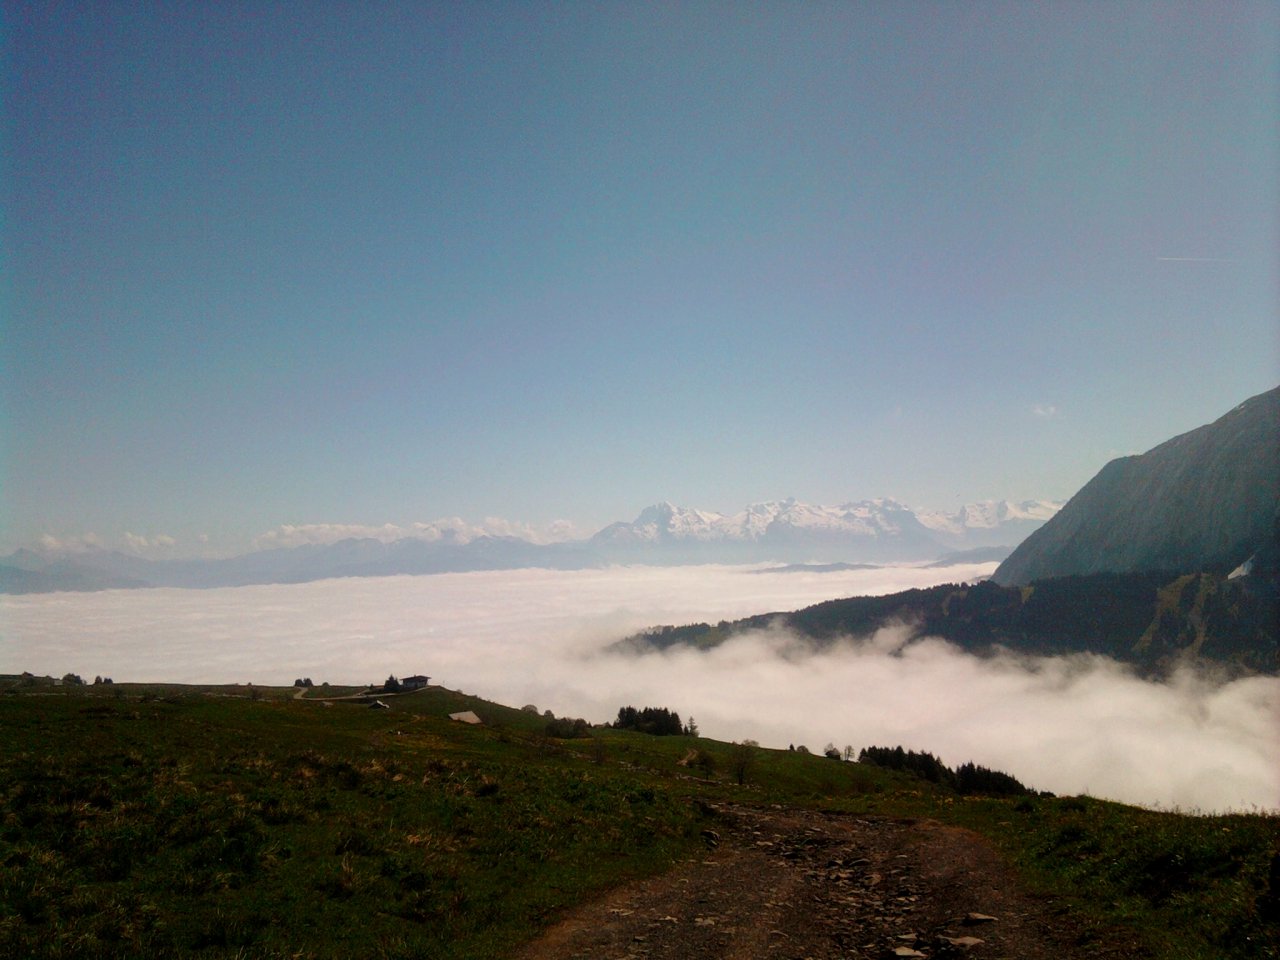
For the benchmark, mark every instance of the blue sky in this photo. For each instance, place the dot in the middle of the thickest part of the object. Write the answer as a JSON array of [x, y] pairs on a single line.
[[364, 263]]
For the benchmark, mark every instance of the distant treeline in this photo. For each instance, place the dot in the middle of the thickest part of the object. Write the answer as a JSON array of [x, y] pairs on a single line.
[[968, 779], [657, 721]]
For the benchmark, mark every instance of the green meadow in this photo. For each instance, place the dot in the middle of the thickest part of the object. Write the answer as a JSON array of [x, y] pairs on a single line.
[[171, 821]]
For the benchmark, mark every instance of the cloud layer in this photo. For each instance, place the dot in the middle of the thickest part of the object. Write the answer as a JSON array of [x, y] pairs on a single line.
[[142, 544], [450, 529], [1064, 724]]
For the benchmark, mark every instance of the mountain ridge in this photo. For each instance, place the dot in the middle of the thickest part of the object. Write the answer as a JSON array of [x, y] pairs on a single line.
[[1153, 622], [786, 531], [1206, 499], [1163, 558], [881, 529]]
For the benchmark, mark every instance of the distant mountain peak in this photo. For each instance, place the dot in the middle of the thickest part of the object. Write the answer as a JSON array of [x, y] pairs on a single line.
[[881, 528], [1203, 500]]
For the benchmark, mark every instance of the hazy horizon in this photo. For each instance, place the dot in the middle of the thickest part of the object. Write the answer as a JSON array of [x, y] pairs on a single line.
[[452, 528], [1067, 724]]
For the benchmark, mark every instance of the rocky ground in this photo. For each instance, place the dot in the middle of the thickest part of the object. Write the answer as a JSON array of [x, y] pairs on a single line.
[[781, 884]]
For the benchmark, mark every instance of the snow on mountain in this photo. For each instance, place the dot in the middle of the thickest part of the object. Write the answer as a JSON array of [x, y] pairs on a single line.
[[660, 523], [758, 522], [866, 518], [881, 529], [990, 515], [788, 531]]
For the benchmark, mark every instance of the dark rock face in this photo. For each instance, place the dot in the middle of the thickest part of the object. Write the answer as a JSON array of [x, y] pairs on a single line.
[[1205, 500]]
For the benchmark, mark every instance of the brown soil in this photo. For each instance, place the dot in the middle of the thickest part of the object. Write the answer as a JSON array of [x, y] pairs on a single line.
[[779, 883]]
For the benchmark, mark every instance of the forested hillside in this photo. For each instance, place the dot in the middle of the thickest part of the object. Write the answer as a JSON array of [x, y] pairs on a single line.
[[1149, 620]]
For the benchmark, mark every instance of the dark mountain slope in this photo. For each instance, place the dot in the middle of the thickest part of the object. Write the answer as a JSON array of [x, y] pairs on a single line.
[[105, 569], [14, 579], [1152, 621], [1205, 500]]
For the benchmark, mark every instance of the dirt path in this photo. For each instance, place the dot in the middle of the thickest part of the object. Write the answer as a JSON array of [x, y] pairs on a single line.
[[783, 884]]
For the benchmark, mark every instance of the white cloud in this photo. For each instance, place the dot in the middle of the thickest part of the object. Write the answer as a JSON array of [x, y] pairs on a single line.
[[297, 535], [451, 529], [141, 544], [48, 543], [1045, 410], [561, 530], [1063, 724]]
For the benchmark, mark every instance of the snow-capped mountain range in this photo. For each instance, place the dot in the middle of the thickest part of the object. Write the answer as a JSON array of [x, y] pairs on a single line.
[[994, 515], [783, 531], [788, 530]]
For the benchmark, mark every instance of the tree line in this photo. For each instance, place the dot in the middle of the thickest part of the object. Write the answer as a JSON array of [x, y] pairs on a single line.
[[969, 778], [658, 721]]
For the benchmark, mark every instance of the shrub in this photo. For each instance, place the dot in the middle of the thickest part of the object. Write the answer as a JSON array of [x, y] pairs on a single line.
[[705, 762], [566, 728], [742, 758]]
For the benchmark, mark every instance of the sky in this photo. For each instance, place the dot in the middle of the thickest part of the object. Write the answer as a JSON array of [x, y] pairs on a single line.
[[272, 264], [1070, 724]]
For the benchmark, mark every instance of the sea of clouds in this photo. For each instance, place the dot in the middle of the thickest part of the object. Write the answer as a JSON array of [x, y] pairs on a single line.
[[1070, 725]]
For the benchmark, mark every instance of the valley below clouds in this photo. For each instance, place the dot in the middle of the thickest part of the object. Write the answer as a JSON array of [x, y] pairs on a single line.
[[1069, 725]]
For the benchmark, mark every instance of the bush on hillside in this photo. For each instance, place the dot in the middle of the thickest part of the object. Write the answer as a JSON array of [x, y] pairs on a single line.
[[567, 728]]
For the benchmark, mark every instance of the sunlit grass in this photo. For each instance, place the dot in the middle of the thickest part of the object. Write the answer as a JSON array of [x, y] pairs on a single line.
[[153, 822]]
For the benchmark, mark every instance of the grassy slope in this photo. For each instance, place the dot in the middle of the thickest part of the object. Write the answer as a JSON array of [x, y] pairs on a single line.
[[168, 821]]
